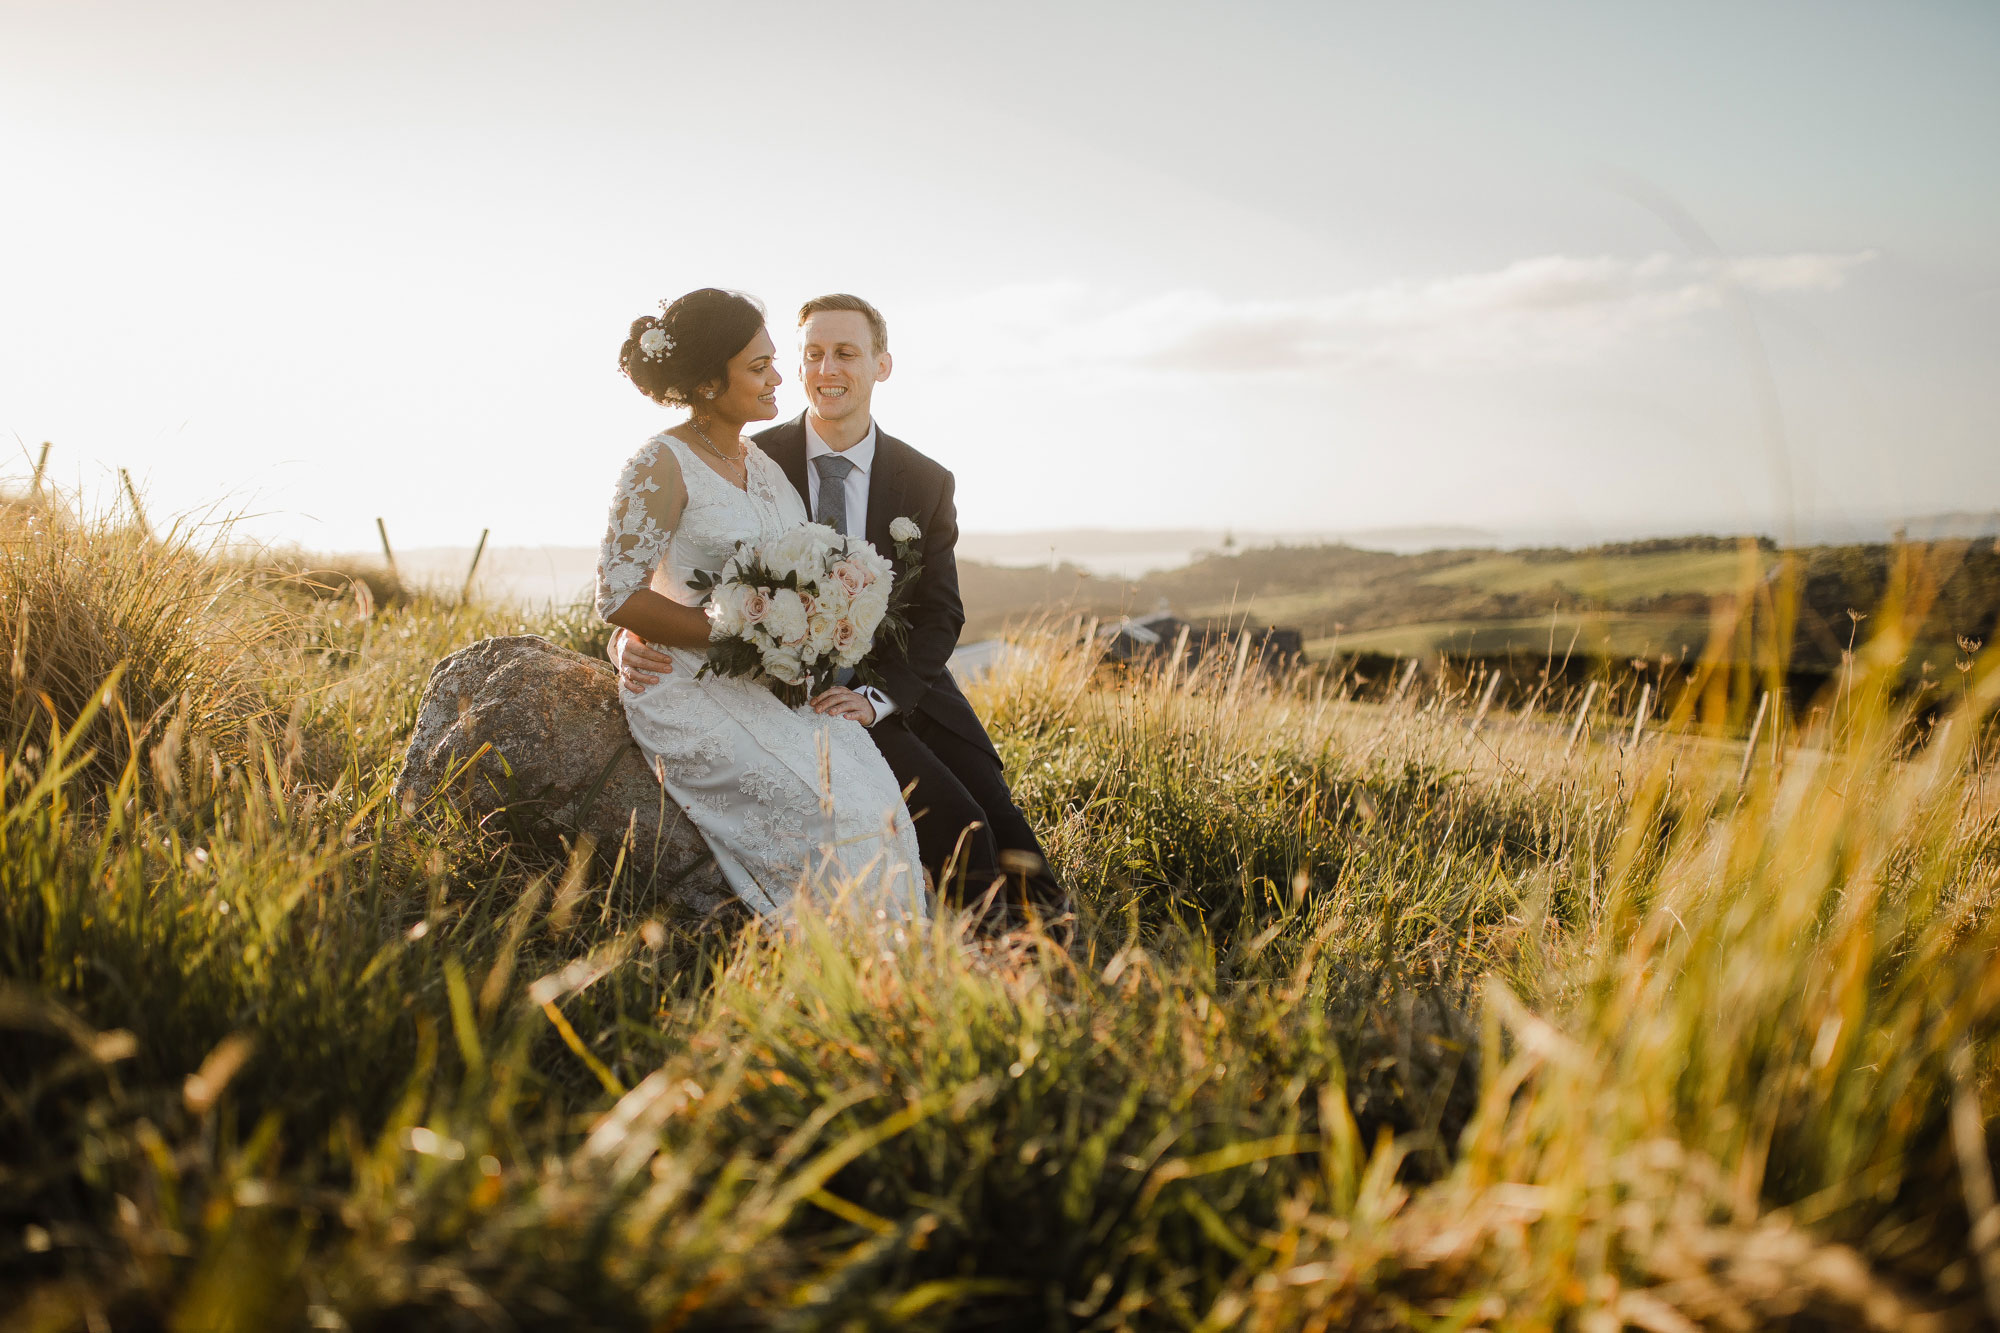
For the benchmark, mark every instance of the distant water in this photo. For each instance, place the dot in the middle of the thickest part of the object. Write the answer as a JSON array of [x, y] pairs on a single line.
[[1128, 554], [529, 575]]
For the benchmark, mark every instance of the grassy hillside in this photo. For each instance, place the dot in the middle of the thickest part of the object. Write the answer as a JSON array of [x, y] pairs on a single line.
[[1373, 1017], [1636, 600]]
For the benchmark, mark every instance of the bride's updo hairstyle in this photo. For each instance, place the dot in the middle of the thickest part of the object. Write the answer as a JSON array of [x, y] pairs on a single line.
[[669, 356]]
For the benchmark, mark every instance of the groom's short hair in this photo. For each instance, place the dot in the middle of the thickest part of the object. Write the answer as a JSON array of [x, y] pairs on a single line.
[[878, 328]]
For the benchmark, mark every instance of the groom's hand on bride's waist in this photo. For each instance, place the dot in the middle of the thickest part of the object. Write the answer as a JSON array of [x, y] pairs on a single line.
[[639, 663]]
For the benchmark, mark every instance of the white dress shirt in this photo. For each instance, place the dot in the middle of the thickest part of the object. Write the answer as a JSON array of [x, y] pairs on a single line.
[[862, 455]]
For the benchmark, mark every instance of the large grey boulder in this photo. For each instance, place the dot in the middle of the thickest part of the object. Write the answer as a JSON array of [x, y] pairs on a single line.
[[560, 764]]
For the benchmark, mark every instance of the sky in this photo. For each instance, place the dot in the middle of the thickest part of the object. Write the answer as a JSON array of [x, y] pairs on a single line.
[[1601, 270]]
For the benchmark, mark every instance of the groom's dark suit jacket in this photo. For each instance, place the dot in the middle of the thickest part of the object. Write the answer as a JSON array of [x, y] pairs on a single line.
[[905, 484]]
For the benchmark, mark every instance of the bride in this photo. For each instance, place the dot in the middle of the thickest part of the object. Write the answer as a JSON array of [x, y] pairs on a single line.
[[787, 799]]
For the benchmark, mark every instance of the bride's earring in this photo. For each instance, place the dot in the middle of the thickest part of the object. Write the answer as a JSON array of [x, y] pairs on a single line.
[[709, 394]]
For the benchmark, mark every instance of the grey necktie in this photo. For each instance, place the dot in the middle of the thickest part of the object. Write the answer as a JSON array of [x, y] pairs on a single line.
[[832, 507]]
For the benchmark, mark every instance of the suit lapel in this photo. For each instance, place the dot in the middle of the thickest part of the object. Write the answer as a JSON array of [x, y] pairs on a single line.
[[885, 491]]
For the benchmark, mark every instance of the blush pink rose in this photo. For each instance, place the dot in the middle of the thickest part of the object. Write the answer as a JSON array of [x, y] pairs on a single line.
[[843, 634], [851, 576], [755, 607]]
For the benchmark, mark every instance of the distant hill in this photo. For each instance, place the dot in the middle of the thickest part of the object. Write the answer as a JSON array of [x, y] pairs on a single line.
[[1648, 599], [1938, 527], [1129, 553]]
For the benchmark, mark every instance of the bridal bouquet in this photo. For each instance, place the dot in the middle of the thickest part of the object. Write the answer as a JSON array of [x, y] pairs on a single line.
[[796, 611]]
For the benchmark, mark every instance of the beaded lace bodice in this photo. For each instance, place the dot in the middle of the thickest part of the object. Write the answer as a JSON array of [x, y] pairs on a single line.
[[672, 514]]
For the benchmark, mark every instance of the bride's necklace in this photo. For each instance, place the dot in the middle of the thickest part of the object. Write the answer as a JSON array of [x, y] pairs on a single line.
[[742, 467]]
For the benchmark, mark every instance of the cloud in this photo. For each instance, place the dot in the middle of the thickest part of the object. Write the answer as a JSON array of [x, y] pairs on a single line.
[[1555, 307]]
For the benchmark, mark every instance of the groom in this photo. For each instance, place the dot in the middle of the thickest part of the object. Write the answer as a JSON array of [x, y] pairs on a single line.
[[858, 479]]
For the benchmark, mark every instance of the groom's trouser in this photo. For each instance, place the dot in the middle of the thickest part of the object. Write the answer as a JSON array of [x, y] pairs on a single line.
[[959, 785]]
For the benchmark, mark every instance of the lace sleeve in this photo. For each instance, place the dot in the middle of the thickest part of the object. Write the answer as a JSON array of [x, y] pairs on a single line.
[[645, 509]]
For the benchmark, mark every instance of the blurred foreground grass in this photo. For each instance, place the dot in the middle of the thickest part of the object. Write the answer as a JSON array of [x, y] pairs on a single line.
[[1373, 1017]]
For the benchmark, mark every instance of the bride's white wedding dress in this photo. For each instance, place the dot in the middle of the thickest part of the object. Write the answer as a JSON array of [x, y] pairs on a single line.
[[786, 799]]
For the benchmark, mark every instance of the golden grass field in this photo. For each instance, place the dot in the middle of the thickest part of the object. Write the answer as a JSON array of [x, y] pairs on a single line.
[[1373, 1015]]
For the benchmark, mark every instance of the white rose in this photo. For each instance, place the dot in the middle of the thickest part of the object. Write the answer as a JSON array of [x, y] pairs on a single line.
[[820, 632], [904, 530], [725, 611], [786, 620], [798, 550], [832, 598], [783, 664], [869, 608]]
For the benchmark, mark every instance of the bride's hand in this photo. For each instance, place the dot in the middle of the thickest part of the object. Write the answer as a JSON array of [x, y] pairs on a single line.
[[839, 701], [640, 665]]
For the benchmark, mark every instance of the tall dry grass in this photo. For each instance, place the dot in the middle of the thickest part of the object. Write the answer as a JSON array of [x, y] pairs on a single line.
[[89, 599]]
